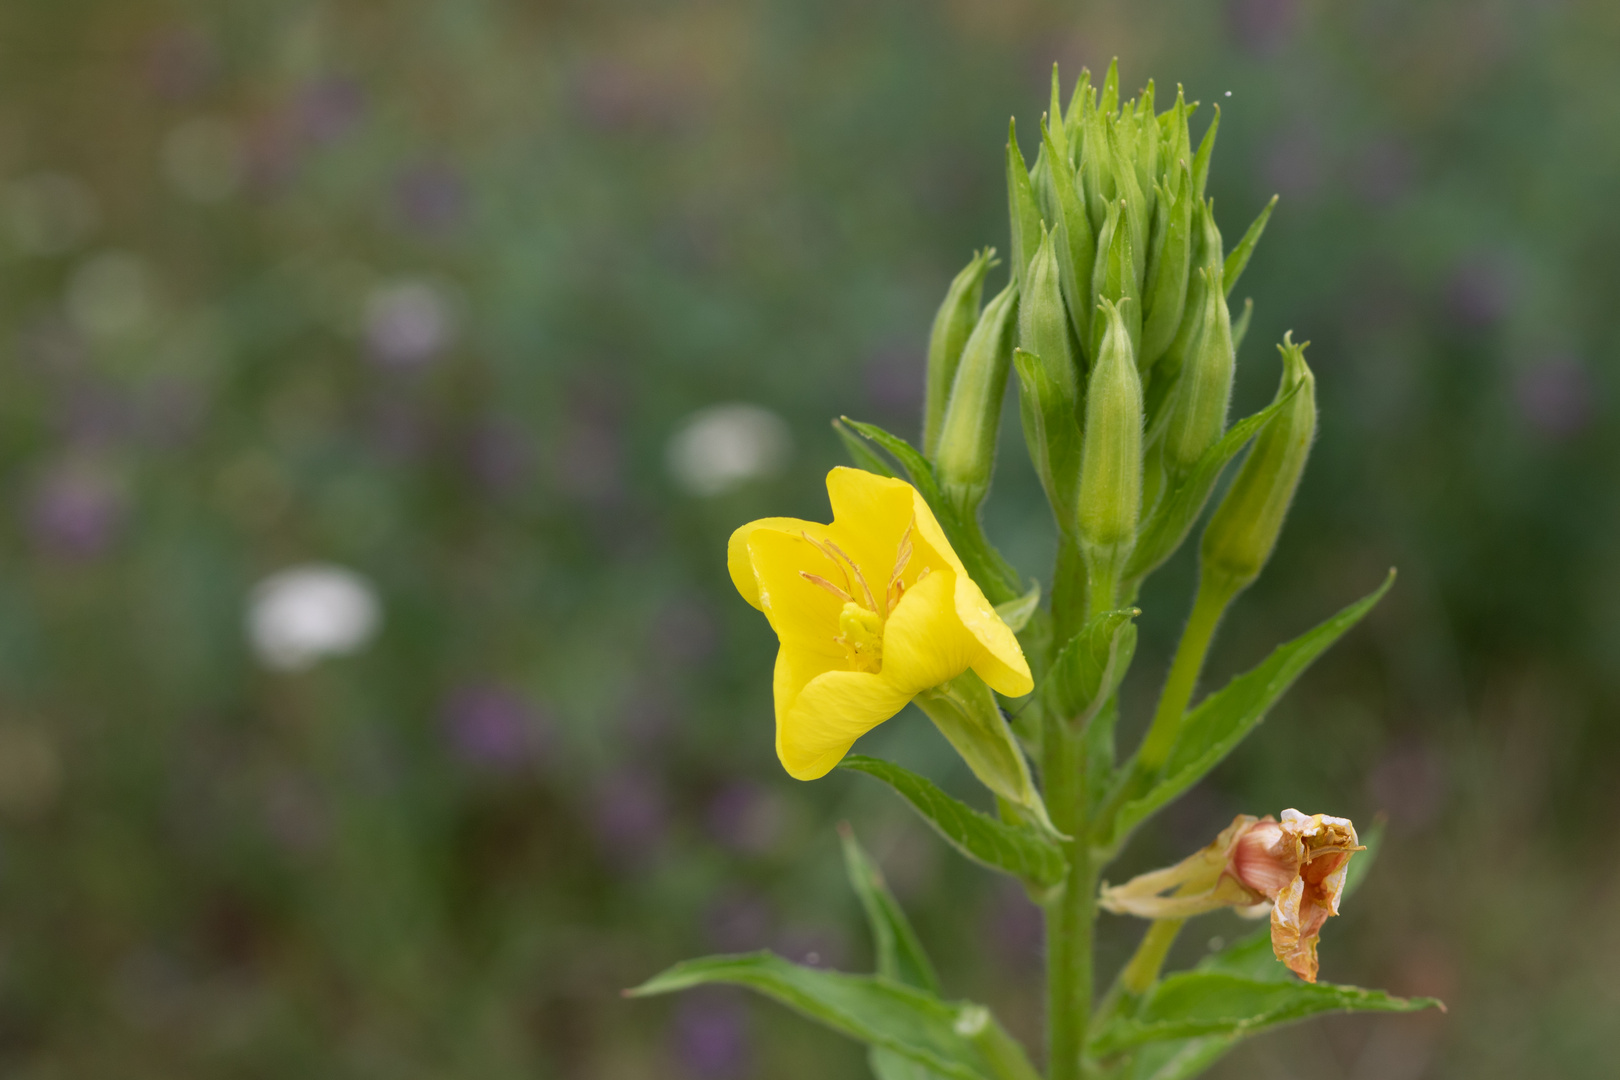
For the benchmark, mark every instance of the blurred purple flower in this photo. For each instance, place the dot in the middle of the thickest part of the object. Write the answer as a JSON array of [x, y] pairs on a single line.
[[746, 817], [1014, 928], [181, 63], [1557, 397], [647, 717], [1480, 291], [75, 512], [270, 153], [631, 816], [1262, 27], [493, 728], [1294, 163], [1384, 172], [170, 411], [50, 343], [587, 461], [398, 429], [431, 197], [738, 922], [501, 457], [295, 814], [93, 415], [1409, 784], [893, 379], [710, 1033], [684, 631], [408, 323], [329, 108], [615, 97]]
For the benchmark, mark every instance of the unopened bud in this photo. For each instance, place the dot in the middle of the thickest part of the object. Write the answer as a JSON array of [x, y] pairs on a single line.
[[1204, 393], [952, 324], [1111, 461], [1239, 538], [1043, 325], [1166, 293], [966, 452], [1114, 278], [1022, 209]]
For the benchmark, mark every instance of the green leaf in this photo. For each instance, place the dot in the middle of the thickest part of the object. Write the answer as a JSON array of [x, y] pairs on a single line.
[[1024, 214], [900, 955], [1211, 731], [1206, 149], [861, 454], [983, 562], [1172, 518], [1088, 669], [909, 1023], [1201, 1003], [1239, 258], [1240, 325], [888, 1065], [1016, 613], [1013, 849]]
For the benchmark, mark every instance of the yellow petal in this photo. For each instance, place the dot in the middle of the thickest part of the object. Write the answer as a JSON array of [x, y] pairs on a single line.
[[886, 506], [833, 710], [737, 557], [924, 643], [870, 515], [803, 614]]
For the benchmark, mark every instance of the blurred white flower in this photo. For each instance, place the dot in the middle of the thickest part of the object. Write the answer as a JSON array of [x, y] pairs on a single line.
[[717, 449], [49, 213], [110, 295], [298, 615], [408, 322], [202, 158]]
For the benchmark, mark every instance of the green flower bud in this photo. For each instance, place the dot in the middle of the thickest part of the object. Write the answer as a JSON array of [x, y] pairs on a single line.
[[952, 324], [1022, 209], [1165, 294], [1043, 325], [1137, 213], [1082, 103], [1114, 278], [1198, 413], [966, 454], [1239, 538], [1111, 462], [1075, 245]]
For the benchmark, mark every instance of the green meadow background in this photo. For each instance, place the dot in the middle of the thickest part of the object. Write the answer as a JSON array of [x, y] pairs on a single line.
[[425, 289]]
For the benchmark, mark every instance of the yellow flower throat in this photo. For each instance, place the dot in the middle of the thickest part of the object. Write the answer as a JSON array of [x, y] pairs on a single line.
[[860, 625]]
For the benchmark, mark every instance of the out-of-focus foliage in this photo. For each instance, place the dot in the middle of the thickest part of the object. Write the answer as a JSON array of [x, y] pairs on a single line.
[[431, 292]]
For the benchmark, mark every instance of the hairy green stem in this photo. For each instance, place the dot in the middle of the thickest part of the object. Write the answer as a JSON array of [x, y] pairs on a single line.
[[1145, 964], [1214, 594], [1071, 913], [1068, 593]]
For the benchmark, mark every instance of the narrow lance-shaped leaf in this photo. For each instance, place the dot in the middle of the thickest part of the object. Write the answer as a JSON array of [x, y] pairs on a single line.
[[1240, 326], [859, 453], [1195, 1003], [1239, 258], [900, 954], [911, 1023], [1206, 148], [1213, 729], [1013, 849]]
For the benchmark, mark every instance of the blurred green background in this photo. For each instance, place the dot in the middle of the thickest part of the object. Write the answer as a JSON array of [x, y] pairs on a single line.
[[434, 291]]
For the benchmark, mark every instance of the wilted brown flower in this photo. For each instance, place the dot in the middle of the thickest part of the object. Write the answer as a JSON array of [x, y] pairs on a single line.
[[1297, 865]]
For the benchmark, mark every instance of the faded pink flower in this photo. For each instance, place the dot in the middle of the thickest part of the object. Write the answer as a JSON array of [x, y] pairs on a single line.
[[1297, 866]]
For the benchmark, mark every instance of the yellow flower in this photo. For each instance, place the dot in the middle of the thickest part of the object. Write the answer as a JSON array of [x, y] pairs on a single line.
[[870, 611], [1295, 867]]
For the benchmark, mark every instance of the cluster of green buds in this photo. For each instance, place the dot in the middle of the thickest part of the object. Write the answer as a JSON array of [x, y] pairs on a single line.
[[1116, 320]]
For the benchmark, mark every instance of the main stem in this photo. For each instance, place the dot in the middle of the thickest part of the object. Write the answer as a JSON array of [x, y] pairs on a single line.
[[1071, 914]]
